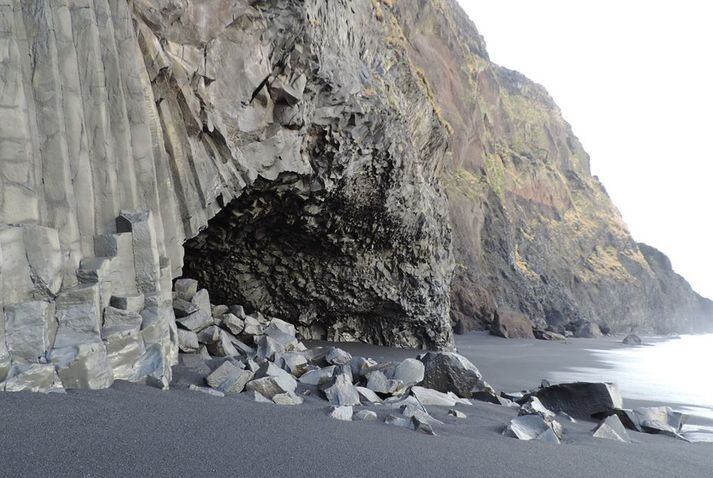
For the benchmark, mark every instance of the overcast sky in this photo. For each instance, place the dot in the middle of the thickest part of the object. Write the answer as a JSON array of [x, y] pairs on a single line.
[[635, 80]]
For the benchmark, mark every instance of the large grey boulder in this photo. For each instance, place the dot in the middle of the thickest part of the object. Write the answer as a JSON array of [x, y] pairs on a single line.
[[31, 378], [188, 341], [451, 372], [229, 378], [589, 330], [581, 399], [429, 396], [512, 325]]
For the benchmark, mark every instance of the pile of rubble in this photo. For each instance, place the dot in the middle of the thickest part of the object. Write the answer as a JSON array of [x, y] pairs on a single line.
[[264, 358]]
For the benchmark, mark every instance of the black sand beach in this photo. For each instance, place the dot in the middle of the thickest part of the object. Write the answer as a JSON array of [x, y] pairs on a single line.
[[132, 430]]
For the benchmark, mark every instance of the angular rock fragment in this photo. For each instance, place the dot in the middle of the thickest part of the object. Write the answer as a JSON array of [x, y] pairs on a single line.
[[223, 347], [428, 396], [337, 356], [533, 406], [318, 376], [368, 397], [400, 421], [289, 398], [344, 413], [209, 335], [531, 427], [231, 322], [229, 378], [293, 362], [31, 378], [188, 341], [27, 330], [196, 321], [146, 254], [129, 303], [183, 308], [185, 288], [378, 382], [451, 372], [201, 299], [581, 399], [206, 390], [456, 413], [271, 380], [252, 326], [258, 397], [410, 372], [218, 311], [365, 415], [653, 420], [267, 347], [342, 392], [611, 428], [359, 364]]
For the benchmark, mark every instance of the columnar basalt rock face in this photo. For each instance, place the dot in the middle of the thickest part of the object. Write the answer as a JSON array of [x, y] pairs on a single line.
[[533, 230], [127, 126]]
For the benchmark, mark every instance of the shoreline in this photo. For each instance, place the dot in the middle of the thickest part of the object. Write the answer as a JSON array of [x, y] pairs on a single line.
[[135, 430]]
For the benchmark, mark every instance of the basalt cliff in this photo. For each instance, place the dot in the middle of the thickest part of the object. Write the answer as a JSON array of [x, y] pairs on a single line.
[[358, 168]]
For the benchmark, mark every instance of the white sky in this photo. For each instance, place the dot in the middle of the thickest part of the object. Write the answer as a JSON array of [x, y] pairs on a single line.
[[635, 80]]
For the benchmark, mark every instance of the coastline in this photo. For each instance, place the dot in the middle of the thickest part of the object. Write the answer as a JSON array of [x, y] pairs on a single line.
[[136, 430]]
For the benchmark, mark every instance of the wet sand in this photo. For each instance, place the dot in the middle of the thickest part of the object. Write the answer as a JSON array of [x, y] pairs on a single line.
[[132, 430]]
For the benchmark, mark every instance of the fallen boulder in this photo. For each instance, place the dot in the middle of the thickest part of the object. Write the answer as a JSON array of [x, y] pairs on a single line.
[[512, 325], [410, 372], [451, 372], [342, 392], [429, 396], [581, 399], [342, 413], [632, 339], [589, 330]]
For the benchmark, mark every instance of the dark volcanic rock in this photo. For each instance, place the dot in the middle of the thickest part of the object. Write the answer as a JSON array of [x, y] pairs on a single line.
[[581, 399], [451, 372], [632, 339]]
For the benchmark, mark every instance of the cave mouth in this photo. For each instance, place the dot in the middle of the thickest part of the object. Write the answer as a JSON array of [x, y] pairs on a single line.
[[318, 261]]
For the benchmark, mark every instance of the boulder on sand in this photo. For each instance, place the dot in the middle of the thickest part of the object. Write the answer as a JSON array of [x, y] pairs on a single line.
[[632, 339], [512, 325], [451, 372], [581, 399], [589, 330]]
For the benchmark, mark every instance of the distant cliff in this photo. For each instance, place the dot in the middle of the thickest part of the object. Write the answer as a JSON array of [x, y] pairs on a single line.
[[533, 229]]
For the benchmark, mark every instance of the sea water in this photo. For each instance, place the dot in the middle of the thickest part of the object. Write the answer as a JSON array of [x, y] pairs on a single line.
[[676, 371]]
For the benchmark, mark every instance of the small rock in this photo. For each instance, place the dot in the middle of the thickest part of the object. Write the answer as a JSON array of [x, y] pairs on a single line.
[[293, 362], [218, 311], [365, 415], [533, 406], [203, 352], [252, 326], [223, 347], [183, 308], [289, 398], [267, 347], [530, 427], [342, 413], [456, 413], [611, 428], [209, 335], [206, 390], [359, 364]]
